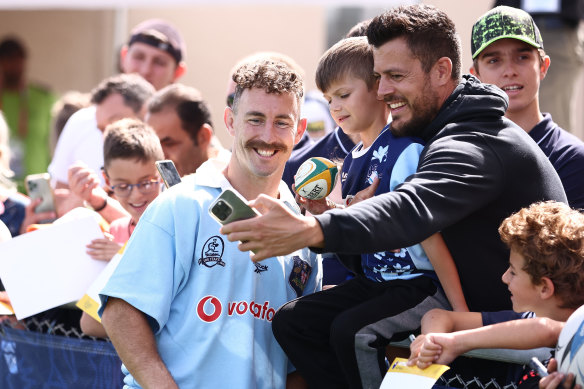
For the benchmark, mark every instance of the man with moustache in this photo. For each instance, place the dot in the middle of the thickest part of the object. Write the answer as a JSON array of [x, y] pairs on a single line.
[[184, 304], [476, 169]]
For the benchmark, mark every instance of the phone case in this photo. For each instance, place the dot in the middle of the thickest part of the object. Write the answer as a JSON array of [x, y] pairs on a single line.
[[231, 206], [168, 172], [39, 186]]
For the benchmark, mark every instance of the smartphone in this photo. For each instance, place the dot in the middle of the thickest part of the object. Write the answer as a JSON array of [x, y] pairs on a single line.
[[168, 172], [231, 206], [39, 186]]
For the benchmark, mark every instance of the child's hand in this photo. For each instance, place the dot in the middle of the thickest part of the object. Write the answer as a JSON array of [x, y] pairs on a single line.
[[103, 249], [554, 380], [424, 352], [315, 207], [434, 348]]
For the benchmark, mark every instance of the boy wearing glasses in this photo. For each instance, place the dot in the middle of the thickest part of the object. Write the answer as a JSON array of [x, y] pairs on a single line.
[[130, 150]]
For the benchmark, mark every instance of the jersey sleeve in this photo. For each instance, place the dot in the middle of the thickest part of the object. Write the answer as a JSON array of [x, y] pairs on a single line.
[[149, 271], [405, 165]]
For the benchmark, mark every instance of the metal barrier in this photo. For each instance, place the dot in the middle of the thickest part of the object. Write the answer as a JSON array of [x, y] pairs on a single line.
[[44, 353]]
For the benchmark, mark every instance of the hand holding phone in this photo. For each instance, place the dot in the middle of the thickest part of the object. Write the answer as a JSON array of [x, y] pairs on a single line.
[[231, 206], [168, 172], [38, 186]]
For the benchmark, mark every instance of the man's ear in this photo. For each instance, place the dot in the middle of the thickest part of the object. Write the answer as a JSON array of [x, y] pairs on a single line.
[[300, 129], [204, 135], [105, 177], [544, 67], [229, 118], [442, 71], [123, 54], [546, 288], [473, 71], [180, 70]]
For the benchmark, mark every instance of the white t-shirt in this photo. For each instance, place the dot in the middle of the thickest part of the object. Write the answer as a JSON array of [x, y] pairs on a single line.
[[80, 140]]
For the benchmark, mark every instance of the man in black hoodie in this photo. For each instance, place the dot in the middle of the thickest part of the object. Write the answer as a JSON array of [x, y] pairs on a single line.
[[476, 169]]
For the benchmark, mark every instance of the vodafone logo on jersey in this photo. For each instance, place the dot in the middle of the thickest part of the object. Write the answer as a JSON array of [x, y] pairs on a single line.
[[210, 308]]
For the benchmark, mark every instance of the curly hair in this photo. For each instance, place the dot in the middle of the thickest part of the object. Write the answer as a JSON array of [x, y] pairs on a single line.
[[271, 76], [550, 237], [429, 33]]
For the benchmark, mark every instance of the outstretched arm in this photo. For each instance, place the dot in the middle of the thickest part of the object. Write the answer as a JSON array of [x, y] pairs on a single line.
[[520, 334], [134, 341], [278, 231]]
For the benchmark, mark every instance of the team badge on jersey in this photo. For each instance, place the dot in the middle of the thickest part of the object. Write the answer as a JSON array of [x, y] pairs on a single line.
[[212, 252], [260, 268], [299, 275]]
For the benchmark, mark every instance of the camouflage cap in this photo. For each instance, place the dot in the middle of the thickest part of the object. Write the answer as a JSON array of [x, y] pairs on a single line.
[[504, 22]]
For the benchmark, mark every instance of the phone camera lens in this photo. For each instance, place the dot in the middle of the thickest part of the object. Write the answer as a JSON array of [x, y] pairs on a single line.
[[222, 210]]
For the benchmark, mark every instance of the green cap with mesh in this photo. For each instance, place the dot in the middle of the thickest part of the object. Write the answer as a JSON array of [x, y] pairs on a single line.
[[504, 22]]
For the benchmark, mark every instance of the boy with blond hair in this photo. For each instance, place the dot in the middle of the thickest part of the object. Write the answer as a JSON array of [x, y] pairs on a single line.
[[361, 315], [545, 278]]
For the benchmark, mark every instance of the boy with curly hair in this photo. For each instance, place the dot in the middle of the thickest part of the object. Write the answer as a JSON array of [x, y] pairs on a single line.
[[545, 276]]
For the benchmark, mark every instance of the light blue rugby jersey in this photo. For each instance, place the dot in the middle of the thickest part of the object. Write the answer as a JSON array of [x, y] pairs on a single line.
[[209, 305]]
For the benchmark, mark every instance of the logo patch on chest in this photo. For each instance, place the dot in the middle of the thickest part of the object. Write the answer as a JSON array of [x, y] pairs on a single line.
[[212, 252], [299, 275]]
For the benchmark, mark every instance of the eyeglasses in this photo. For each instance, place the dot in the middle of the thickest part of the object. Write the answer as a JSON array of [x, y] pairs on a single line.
[[230, 99], [144, 187]]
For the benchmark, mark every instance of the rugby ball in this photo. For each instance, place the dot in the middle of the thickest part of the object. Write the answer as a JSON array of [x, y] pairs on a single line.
[[570, 350], [315, 178]]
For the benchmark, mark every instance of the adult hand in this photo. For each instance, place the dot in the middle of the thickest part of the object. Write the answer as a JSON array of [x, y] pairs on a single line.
[[556, 379], [366, 193], [103, 249], [84, 182], [30, 217], [278, 231]]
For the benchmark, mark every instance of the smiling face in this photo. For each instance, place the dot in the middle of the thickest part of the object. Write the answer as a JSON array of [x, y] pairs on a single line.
[[156, 66], [524, 294], [405, 87], [515, 67], [355, 108], [132, 171], [266, 127]]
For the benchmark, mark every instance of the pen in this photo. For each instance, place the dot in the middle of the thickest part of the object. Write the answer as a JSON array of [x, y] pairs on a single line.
[[536, 365], [412, 338]]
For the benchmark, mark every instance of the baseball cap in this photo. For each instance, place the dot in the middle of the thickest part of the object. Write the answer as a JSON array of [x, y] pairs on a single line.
[[504, 22], [160, 34]]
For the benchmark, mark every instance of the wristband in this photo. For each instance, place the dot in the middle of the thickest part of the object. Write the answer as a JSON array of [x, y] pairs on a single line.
[[100, 208]]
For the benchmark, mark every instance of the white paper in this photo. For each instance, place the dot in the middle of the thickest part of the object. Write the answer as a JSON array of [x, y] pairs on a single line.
[[49, 267], [90, 302]]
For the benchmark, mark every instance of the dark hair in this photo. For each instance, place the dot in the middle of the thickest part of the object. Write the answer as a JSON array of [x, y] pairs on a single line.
[[348, 57], [429, 33], [134, 89], [12, 47], [359, 29], [188, 104], [271, 76], [131, 139], [550, 237]]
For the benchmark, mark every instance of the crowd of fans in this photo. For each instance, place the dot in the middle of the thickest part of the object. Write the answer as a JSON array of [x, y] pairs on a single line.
[[457, 218]]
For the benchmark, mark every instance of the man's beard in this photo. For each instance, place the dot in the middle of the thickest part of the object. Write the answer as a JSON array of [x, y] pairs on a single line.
[[424, 109]]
